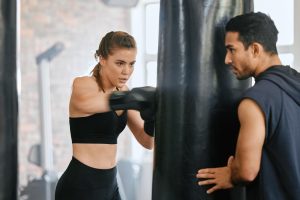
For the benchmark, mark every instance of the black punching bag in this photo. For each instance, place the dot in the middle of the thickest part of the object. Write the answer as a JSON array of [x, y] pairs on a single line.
[[196, 124], [8, 100]]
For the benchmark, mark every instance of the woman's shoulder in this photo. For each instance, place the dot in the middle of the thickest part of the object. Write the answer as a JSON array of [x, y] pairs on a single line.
[[124, 88], [84, 85], [84, 82]]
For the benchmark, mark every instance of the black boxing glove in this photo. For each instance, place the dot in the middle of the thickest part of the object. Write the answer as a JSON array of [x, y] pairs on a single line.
[[142, 99]]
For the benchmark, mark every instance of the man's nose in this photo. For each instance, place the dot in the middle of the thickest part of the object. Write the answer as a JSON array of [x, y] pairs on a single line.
[[228, 59]]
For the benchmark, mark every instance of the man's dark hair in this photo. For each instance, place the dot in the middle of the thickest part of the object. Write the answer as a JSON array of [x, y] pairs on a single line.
[[255, 27]]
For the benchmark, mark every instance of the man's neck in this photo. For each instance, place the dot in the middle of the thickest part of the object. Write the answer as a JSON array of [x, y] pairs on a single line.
[[267, 63]]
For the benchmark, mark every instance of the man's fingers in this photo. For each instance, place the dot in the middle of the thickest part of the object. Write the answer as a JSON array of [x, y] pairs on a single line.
[[211, 190], [207, 170], [205, 175], [230, 160], [207, 182]]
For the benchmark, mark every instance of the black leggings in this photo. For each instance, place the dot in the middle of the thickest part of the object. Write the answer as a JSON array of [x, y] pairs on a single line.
[[81, 182]]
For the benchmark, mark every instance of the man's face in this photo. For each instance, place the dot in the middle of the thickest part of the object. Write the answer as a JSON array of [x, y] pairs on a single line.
[[237, 57]]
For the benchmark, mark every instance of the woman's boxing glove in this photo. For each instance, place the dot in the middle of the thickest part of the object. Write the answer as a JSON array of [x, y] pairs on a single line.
[[142, 99]]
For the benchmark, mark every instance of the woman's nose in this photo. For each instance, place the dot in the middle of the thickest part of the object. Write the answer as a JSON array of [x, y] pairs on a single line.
[[126, 69]]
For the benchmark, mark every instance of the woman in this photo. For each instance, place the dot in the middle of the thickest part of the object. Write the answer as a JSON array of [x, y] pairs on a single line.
[[91, 173]]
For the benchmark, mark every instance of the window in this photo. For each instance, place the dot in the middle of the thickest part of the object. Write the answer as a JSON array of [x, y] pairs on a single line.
[[145, 28], [151, 38], [282, 12]]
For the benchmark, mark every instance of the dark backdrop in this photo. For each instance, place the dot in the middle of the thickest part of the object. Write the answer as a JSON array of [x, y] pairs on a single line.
[[8, 100], [196, 125]]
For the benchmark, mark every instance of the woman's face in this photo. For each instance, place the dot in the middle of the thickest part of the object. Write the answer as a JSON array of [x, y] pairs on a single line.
[[117, 68]]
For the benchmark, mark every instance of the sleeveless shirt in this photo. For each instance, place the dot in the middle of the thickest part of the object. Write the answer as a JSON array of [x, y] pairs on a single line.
[[99, 128]]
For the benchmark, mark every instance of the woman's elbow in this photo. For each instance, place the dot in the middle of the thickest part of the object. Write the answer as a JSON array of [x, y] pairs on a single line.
[[148, 147], [149, 143]]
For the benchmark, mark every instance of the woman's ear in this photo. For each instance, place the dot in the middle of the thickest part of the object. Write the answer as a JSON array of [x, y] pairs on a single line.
[[101, 60]]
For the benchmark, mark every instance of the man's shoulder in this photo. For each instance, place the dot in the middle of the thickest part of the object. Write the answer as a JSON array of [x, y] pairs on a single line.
[[264, 87], [265, 93]]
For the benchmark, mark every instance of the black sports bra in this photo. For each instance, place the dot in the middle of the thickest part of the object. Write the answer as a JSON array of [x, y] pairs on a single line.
[[99, 128]]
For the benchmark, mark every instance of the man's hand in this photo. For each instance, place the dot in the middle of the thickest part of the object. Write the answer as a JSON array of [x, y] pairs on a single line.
[[219, 177]]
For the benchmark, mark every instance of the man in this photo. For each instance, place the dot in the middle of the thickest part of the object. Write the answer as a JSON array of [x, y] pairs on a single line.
[[267, 157]]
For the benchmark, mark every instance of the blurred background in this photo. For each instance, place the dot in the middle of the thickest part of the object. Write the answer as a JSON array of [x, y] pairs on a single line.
[[57, 42]]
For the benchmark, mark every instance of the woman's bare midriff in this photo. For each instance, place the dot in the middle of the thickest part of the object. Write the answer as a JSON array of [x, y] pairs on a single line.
[[100, 156]]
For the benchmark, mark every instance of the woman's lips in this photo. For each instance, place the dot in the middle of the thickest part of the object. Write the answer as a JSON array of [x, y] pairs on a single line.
[[123, 80]]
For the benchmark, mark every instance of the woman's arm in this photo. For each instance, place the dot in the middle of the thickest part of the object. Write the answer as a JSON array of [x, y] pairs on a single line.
[[136, 125], [86, 98]]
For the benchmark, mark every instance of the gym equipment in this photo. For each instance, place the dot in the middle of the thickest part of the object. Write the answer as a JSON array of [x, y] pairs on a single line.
[[196, 97]]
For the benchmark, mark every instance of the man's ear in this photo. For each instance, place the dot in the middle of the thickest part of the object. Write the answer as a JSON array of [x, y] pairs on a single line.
[[256, 48]]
